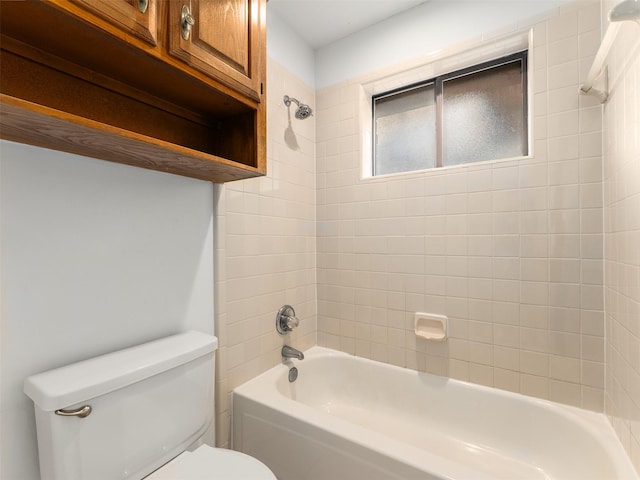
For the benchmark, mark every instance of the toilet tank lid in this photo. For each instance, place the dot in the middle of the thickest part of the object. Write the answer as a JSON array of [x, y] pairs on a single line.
[[79, 382]]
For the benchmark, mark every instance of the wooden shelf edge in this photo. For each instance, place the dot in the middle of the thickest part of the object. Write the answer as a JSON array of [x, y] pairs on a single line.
[[26, 122]]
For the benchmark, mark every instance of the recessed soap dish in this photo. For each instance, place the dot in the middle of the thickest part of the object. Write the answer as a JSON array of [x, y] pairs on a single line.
[[431, 326]]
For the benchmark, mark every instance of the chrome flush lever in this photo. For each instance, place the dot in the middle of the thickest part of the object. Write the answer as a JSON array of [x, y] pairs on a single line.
[[77, 412]]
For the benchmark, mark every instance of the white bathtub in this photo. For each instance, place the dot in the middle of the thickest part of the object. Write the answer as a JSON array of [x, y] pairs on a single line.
[[350, 418]]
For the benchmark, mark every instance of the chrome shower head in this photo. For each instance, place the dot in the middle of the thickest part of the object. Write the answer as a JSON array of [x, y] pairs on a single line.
[[303, 111]]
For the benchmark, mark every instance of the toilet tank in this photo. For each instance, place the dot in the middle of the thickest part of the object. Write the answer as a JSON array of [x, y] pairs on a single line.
[[148, 403]]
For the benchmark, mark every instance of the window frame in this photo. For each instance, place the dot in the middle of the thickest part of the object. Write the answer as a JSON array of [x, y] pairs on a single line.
[[438, 82]]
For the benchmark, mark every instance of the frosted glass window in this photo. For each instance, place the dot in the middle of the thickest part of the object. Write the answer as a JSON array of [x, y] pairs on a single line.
[[405, 126], [483, 115], [471, 115]]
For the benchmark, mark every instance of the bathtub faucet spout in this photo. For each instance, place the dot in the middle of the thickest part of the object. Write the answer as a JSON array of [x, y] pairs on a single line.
[[290, 352]]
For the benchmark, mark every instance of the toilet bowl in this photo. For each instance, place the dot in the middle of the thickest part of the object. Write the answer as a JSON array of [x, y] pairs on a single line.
[[210, 463]]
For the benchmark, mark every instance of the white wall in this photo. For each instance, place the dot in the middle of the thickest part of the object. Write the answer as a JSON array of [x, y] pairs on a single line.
[[422, 30], [95, 257], [287, 48], [419, 31]]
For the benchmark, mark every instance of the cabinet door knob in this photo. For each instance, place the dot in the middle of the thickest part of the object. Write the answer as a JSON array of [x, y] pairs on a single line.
[[187, 21], [143, 5]]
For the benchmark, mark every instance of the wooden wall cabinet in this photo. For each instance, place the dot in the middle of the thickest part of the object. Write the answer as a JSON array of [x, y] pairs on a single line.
[[116, 80], [221, 41]]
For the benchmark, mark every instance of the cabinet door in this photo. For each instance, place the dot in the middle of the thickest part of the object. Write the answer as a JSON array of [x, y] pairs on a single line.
[[135, 17], [226, 41]]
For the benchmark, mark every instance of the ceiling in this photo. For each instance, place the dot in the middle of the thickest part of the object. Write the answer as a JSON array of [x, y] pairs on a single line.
[[321, 22]]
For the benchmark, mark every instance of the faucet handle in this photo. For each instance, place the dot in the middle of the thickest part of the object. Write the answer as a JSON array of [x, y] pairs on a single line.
[[292, 322], [286, 319]]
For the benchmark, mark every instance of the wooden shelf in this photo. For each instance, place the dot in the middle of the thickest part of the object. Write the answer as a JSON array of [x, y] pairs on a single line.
[[26, 122]]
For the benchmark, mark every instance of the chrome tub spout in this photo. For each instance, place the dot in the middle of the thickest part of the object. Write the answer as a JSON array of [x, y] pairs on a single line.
[[290, 352]]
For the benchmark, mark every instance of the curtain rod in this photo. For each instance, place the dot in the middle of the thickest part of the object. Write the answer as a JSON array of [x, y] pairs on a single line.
[[626, 10]]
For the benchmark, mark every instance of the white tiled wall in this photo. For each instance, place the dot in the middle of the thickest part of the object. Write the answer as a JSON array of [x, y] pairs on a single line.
[[511, 251], [265, 249], [622, 238]]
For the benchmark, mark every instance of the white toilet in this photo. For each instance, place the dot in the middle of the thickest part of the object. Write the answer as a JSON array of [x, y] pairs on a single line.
[[136, 413]]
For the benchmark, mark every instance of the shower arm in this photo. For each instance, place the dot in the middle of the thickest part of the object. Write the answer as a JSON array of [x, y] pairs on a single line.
[[287, 100]]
